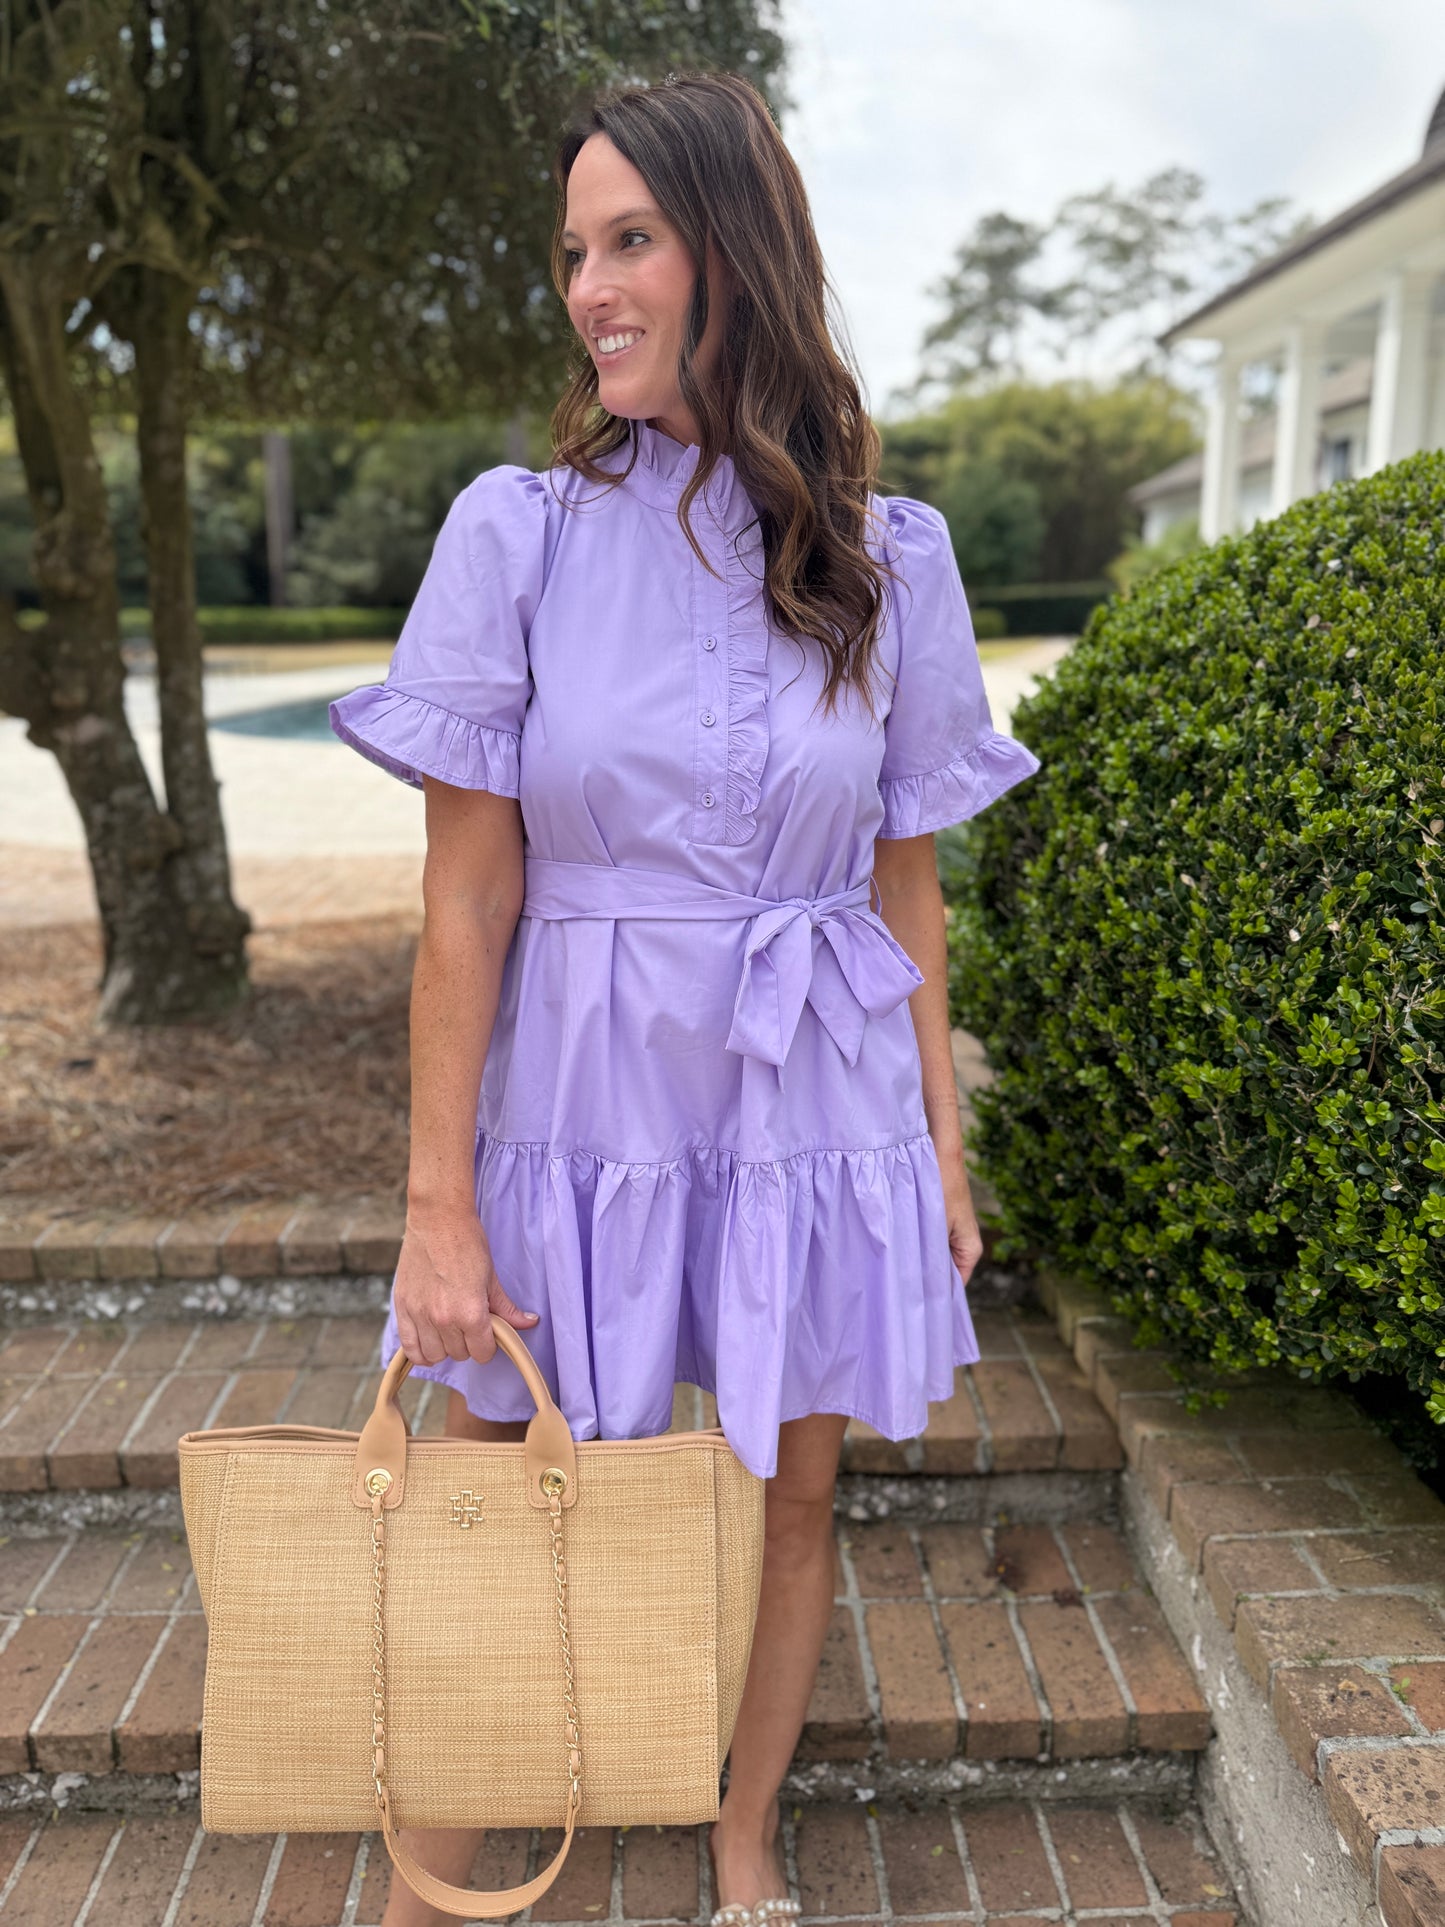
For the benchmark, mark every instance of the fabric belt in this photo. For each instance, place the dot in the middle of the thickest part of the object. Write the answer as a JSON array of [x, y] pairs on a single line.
[[860, 971]]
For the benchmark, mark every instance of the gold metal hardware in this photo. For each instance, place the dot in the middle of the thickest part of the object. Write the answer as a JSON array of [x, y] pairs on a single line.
[[554, 1483], [466, 1508]]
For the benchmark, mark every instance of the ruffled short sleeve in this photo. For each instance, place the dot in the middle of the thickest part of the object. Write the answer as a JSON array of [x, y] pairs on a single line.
[[459, 682], [943, 760]]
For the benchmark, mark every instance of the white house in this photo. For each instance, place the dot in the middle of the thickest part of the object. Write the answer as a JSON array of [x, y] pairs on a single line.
[[1353, 316]]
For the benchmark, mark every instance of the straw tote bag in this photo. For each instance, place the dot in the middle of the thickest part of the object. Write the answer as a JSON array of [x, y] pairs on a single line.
[[464, 1633]]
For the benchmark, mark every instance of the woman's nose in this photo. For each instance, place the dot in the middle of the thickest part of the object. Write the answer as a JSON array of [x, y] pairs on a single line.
[[589, 293]]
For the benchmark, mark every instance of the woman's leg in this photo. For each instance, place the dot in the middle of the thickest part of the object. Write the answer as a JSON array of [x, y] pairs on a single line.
[[447, 1852], [794, 1608]]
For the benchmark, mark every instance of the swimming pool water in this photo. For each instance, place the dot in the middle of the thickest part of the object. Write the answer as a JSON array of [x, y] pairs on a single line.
[[303, 721]]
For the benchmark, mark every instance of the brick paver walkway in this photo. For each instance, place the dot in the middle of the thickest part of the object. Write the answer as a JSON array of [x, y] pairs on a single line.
[[100, 1404], [1007, 1864], [1001, 1643]]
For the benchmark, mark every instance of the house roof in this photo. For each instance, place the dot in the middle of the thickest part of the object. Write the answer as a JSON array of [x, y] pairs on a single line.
[[1346, 388], [1420, 174]]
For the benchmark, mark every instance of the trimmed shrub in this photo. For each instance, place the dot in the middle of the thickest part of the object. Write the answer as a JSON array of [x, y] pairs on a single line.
[[1047, 608], [989, 625], [1204, 947], [262, 624]]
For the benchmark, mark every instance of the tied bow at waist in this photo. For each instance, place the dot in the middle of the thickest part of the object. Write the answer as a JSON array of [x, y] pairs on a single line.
[[860, 971]]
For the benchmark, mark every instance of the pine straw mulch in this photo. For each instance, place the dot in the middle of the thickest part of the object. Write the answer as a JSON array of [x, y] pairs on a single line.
[[303, 1093]]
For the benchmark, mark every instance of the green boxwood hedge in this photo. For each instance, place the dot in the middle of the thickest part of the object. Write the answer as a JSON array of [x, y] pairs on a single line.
[[1046, 608], [989, 625], [246, 623], [1205, 946]]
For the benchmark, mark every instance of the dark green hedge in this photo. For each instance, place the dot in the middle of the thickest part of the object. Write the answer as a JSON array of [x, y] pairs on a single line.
[[1205, 946], [989, 625], [260, 624], [1046, 608]]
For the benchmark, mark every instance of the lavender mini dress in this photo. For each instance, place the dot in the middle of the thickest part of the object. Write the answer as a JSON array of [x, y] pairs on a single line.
[[701, 1148]]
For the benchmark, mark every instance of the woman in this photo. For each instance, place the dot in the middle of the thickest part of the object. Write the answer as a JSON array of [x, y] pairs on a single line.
[[699, 1138]]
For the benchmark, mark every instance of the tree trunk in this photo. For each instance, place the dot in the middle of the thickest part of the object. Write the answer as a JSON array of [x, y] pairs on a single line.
[[162, 342], [67, 680]]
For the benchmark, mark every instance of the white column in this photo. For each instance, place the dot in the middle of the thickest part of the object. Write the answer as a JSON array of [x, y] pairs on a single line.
[[1219, 496], [1297, 423], [1436, 436], [1397, 390]]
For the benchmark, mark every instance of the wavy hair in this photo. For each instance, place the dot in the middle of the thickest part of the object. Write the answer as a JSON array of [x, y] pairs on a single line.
[[784, 402]]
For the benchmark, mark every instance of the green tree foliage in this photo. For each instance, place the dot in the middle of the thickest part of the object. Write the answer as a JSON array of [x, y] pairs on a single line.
[[1205, 946], [1110, 269], [1078, 448], [370, 503], [989, 296], [996, 521]]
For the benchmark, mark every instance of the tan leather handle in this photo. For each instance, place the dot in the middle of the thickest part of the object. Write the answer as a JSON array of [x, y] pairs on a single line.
[[382, 1444], [461, 1900]]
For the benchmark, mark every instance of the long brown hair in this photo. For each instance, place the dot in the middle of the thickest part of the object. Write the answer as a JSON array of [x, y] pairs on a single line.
[[785, 401]]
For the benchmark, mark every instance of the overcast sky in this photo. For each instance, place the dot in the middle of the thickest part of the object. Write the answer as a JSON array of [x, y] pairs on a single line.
[[914, 117]]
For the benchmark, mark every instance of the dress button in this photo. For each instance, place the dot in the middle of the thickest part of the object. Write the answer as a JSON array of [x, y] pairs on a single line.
[[710, 643], [708, 716], [707, 798]]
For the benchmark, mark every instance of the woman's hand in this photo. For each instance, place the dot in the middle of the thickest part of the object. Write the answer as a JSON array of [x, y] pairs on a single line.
[[965, 1240], [447, 1288]]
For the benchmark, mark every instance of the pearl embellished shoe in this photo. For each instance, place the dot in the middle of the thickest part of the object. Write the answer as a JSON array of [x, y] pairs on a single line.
[[775, 1907]]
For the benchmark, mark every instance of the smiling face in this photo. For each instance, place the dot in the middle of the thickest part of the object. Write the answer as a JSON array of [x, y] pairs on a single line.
[[630, 283]]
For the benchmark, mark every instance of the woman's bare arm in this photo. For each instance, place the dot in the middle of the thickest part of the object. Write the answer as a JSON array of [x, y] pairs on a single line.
[[906, 869], [472, 889]]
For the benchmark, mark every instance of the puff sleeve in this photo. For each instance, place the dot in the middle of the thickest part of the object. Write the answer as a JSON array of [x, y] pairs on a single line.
[[459, 682], [943, 760]]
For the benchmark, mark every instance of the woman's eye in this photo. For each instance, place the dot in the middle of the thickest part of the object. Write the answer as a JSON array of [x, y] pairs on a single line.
[[571, 256]]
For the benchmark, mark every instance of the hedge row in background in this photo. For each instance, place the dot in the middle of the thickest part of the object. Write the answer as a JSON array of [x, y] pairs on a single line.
[[247, 623], [1037, 608], [1205, 946], [281, 625]]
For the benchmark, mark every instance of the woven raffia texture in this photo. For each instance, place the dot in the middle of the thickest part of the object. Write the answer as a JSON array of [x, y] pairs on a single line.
[[664, 1557]]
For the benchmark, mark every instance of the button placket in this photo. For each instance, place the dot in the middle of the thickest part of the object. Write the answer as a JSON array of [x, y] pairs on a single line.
[[710, 713]]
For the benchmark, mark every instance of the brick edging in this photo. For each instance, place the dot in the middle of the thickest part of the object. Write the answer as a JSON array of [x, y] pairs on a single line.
[[283, 1238], [286, 1239], [1322, 1557]]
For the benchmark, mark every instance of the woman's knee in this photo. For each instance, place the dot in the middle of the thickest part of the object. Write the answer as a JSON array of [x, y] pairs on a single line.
[[799, 1496]]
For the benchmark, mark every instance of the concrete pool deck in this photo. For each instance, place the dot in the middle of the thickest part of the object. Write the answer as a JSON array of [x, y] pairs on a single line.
[[316, 833]]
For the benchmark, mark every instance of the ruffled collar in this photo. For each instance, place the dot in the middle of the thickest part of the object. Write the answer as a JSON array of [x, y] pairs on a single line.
[[664, 467]]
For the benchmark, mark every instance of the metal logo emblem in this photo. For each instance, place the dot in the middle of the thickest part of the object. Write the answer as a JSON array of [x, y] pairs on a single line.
[[466, 1508]]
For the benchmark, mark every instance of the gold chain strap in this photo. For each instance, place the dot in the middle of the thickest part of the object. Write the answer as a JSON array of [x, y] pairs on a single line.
[[554, 1482]]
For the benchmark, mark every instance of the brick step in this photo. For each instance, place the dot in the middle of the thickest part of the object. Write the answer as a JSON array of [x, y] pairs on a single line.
[[97, 1406], [48, 1247], [1012, 1863], [957, 1656]]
